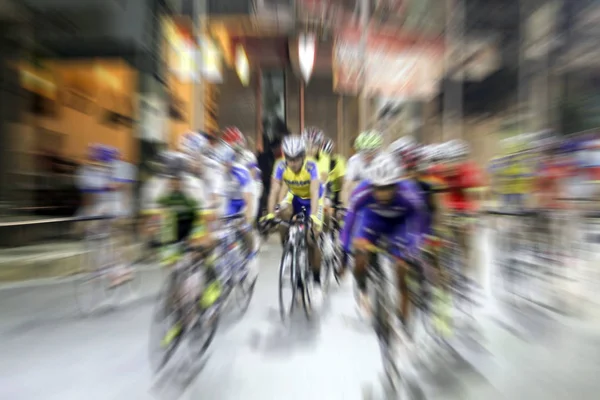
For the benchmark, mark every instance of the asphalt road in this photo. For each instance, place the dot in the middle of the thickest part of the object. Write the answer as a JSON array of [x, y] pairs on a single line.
[[49, 351]]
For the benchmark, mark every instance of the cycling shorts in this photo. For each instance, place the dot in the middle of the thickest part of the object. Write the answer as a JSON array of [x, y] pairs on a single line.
[[235, 207], [298, 202]]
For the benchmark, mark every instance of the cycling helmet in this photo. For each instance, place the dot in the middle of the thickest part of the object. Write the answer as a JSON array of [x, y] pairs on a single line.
[[327, 147], [102, 154], [368, 141], [225, 154], [234, 137], [384, 170], [313, 136], [192, 143], [403, 145], [457, 148], [172, 163], [293, 146], [248, 158]]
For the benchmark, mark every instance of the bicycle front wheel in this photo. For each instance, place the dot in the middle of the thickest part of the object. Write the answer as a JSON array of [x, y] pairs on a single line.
[[288, 281]]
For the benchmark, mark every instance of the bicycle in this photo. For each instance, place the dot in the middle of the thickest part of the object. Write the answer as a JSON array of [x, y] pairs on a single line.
[[384, 312], [103, 259], [294, 260], [194, 296]]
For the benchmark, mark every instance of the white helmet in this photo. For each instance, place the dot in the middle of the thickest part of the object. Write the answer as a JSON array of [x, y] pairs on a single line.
[[399, 146], [225, 153], [192, 143], [247, 157], [457, 148], [384, 170], [293, 146]]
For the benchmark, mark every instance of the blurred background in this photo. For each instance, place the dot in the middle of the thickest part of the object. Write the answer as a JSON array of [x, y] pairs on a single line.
[[137, 74]]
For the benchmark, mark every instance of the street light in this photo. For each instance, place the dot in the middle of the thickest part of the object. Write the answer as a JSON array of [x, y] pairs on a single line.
[[242, 67], [307, 46]]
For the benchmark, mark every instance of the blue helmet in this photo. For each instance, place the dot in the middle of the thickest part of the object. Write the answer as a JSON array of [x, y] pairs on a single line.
[[102, 154], [226, 154]]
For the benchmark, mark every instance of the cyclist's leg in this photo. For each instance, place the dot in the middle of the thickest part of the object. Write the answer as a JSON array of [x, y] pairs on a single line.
[[288, 208], [314, 252]]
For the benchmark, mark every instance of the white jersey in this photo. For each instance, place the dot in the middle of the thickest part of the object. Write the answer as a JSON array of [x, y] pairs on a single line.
[[123, 173], [95, 182], [238, 183], [213, 178], [355, 169]]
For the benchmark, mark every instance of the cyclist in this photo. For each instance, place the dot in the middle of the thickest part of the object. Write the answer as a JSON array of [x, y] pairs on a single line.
[[337, 171], [95, 179], [249, 160], [234, 138], [417, 161], [462, 179], [391, 208], [301, 177], [314, 139], [367, 145], [183, 221], [239, 192], [175, 187]]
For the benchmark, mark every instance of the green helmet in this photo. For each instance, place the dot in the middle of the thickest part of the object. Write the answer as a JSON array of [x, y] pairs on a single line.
[[368, 140]]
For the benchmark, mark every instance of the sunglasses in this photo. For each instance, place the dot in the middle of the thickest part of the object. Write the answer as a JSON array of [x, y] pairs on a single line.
[[292, 160]]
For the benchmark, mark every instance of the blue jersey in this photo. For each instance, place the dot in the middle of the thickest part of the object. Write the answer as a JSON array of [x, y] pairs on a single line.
[[406, 209]]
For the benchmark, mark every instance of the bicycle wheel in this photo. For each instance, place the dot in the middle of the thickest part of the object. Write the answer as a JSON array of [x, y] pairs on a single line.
[[287, 265], [382, 320], [92, 282], [327, 262], [305, 279], [203, 331], [165, 334], [243, 291]]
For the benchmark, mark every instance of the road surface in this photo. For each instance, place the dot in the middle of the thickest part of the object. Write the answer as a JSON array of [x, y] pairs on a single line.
[[49, 352]]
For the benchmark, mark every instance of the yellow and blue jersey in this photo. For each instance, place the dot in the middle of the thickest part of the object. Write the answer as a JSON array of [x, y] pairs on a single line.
[[297, 183]]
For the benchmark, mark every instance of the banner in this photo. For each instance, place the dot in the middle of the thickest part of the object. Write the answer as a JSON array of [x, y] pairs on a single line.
[[388, 65]]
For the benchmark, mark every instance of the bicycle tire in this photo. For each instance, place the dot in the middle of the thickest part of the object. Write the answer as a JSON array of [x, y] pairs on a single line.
[[384, 331], [161, 311], [288, 251], [305, 282], [214, 326], [249, 293]]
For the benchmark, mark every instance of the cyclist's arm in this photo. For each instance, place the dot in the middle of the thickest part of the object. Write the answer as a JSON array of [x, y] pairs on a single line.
[[360, 198], [323, 165], [315, 186], [275, 186], [282, 193], [415, 214], [247, 193]]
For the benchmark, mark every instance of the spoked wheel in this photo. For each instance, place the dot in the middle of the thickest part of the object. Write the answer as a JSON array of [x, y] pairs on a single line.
[[288, 282], [165, 332], [203, 331], [93, 285], [327, 263], [306, 284], [244, 291], [382, 320], [90, 291]]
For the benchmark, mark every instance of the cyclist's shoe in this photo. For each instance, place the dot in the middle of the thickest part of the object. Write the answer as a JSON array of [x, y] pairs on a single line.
[[364, 305], [210, 295], [171, 335]]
